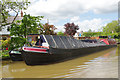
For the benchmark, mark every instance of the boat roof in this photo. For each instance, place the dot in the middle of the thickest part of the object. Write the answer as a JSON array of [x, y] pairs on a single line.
[[67, 42]]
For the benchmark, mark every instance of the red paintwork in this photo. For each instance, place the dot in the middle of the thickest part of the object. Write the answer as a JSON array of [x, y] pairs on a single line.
[[105, 41], [108, 41], [35, 49]]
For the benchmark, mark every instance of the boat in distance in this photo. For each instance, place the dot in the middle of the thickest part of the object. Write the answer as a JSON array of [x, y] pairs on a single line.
[[53, 48], [15, 55]]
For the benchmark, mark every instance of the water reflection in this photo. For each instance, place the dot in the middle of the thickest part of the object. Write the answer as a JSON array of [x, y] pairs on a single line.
[[97, 65]]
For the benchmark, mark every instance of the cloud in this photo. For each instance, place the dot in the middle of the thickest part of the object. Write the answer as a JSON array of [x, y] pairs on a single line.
[[95, 24], [74, 19], [60, 28], [58, 11], [63, 8], [105, 6]]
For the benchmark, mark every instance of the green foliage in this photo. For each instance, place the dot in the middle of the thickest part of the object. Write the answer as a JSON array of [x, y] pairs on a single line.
[[0, 48], [20, 29], [111, 34], [92, 34], [4, 54], [60, 33], [28, 25], [16, 42], [5, 44], [112, 29], [7, 6], [97, 34], [89, 30]]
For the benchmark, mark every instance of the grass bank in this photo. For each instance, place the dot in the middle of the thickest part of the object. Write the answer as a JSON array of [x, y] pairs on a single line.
[[4, 54]]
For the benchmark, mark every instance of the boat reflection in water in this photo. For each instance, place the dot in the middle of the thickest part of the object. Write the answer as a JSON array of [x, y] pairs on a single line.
[[102, 64]]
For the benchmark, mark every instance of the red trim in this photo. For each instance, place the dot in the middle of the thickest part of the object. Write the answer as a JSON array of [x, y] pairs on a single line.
[[105, 41], [35, 49]]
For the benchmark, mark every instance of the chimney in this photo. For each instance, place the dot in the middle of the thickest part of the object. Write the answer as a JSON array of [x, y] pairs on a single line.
[[21, 13]]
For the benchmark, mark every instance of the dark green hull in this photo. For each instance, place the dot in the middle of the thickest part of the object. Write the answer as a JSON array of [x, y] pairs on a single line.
[[58, 55]]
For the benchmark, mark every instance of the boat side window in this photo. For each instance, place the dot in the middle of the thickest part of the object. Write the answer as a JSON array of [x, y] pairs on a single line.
[[30, 39]]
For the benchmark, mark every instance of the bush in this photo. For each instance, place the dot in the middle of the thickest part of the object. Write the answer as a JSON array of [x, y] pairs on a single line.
[[16, 42], [60, 33], [4, 53], [5, 44], [92, 34]]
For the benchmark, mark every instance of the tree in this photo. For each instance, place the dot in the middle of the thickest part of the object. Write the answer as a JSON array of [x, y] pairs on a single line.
[[48, 29], [16, 42], [112, 29], [89, 30], [20, 29], [60, 33], [92, 34], [29, 24], [71, 29], [6, 7]]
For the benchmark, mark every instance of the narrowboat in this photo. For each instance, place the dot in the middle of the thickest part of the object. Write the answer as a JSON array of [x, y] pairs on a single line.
[[118, 42], [53, 48], [15, 55]]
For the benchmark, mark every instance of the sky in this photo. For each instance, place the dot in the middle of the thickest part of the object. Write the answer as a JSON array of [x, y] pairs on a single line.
[[87, 14]]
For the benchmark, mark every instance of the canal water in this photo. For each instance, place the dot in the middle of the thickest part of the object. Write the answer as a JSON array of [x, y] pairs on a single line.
[[102, 64]]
